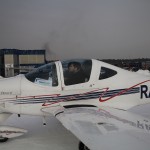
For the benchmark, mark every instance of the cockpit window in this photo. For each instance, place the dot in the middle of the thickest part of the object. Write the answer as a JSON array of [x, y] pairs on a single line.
[[106, 73], [76, 71], [45, 75]]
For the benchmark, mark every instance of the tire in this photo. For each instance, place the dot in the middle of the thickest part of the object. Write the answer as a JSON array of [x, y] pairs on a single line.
[[82, 146], [3, 139]]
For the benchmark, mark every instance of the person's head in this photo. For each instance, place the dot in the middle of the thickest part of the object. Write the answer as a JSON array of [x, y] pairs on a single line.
[[74, 67]]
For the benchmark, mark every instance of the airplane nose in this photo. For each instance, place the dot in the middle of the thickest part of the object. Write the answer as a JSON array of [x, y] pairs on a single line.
[[10, 86]]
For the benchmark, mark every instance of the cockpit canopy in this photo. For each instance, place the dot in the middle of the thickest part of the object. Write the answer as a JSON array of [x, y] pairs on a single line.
[[73, 72]]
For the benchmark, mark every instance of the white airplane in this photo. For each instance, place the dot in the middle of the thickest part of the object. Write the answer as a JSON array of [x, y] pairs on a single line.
[[89, 97]]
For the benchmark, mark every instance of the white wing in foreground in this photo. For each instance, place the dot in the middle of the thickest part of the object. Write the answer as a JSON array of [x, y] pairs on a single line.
[[107, 128], [8, 131]]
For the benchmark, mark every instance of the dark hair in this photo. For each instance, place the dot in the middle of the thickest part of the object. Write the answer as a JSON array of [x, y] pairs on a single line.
[[75, 64]]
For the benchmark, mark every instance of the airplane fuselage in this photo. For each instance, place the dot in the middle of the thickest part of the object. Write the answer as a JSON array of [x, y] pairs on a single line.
[[33, 102], [122, 90]]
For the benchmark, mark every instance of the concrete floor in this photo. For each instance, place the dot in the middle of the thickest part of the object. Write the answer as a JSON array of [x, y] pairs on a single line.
[[53, 136]]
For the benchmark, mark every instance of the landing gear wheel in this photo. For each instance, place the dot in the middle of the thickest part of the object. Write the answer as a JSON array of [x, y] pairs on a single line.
[[2, 139], [82, 146]]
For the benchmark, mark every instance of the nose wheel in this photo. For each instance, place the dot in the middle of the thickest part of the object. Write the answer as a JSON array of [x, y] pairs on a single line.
[[82, 146]]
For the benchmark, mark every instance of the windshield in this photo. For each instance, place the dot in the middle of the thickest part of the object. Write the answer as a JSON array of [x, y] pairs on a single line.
[[45, 75]]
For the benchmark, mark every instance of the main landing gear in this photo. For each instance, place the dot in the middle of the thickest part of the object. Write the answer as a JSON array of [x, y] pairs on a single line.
[[3, 139], [82, 146]]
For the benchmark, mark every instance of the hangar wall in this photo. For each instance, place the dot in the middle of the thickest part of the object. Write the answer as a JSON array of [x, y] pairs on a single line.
[[14, 61]]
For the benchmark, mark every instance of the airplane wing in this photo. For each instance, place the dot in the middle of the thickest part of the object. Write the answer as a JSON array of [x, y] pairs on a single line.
[[8, 131], [106, 128]]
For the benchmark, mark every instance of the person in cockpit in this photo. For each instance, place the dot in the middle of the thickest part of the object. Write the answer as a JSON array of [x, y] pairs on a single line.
[[74, 74]]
